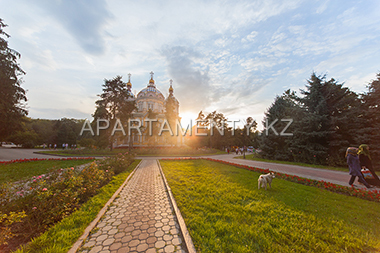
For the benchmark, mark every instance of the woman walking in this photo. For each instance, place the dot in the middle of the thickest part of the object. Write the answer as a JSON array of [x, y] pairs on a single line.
[[354, 166], [366, 163]]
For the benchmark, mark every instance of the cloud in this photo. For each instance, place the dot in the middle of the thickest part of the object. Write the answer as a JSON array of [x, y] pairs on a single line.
[[193, 82], [59, 113], [322, 7], [250, 38], [85, 21]]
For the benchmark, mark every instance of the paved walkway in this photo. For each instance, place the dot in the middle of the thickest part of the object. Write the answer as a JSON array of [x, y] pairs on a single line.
[[7, 154], [141, 218]]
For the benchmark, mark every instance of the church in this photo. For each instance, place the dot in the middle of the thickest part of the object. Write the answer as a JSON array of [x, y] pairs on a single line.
[[152, 113]]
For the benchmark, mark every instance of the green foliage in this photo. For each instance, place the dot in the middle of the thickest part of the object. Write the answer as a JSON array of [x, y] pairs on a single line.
[[326, 120], [67, 131], [213, 131], [87, 142], [225, 212], [27, 139], [370, 112], [114, 103], [117, 163], [6, 220], [36, 132], [12, 109], [64, 234], [47, 199], [275, 146]]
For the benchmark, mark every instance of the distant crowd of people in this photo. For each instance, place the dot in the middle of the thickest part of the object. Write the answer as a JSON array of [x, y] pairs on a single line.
[[360, 165], [64, 146], [239, 150]]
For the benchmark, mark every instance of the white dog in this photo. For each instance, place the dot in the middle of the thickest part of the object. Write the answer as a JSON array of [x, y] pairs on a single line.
[[265, 179]]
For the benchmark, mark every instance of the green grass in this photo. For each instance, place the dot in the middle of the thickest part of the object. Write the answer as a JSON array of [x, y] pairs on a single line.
[[62, 236], [138, 151], [24, 170], [225, 212], [256, 157]]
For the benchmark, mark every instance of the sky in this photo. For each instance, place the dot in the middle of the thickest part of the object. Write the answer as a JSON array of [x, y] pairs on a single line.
[[234, 56]]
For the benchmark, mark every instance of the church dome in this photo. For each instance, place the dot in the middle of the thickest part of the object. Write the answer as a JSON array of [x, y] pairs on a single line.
[[129, 88], [150, 92], [130, 94]]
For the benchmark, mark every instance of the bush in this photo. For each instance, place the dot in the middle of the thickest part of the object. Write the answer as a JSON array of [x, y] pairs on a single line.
[[47, 199], [117, 163]]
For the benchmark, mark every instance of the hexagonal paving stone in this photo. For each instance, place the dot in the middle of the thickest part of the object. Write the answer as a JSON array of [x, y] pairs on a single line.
[[141, 218]]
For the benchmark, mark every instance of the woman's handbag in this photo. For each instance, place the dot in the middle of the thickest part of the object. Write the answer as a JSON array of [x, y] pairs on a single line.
[[367, 174]]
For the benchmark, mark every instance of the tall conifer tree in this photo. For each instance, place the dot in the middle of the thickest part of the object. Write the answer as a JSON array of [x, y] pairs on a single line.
[[12, 95]]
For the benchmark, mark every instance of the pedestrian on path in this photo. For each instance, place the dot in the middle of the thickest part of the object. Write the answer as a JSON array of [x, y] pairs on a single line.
[[354, 166], [366, 163]]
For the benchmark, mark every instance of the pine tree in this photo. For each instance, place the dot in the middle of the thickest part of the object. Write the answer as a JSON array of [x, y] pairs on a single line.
[[371, 119], [326, 123], [12, 95], [273, 144], [114, 103]]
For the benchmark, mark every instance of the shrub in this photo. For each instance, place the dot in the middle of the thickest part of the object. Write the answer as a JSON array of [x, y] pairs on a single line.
[[6, 220], [117, 163], [46, 199]]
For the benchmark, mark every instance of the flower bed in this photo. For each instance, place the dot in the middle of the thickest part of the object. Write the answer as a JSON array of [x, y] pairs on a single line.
[[373, 195], [29, 207]]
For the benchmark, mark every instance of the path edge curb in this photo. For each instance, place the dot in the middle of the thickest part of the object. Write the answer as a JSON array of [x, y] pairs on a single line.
[[185, 233], [92, 225]]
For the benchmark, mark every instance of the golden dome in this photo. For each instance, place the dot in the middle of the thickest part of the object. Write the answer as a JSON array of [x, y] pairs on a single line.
[[129, 84]]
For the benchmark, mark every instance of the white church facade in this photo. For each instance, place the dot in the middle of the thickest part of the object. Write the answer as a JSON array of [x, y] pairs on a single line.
[[151, 114]]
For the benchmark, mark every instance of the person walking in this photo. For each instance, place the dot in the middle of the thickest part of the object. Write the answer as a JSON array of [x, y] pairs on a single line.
[[366, 163], [354, 166]]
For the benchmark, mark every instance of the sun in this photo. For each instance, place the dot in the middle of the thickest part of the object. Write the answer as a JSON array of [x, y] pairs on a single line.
[[187, 117]]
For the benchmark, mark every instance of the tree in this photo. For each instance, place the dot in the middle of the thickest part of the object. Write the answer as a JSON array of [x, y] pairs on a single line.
[[249, 132], [45, 130], [67, 131], [272, 144], [218, 128], [326, 123], [12, 95], [114, 103], [369, 131]]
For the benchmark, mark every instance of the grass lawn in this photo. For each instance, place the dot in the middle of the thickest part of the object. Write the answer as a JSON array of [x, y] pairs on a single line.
[[19, 171], [139, 152], [62, 236], [256, 157], [225, 212]]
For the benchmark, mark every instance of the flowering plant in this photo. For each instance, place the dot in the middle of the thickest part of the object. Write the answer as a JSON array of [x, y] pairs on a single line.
[[46, 199]]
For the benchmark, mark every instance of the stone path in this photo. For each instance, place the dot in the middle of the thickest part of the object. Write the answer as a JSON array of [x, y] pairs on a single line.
[[141, 218]]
